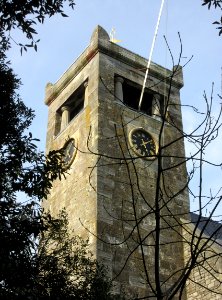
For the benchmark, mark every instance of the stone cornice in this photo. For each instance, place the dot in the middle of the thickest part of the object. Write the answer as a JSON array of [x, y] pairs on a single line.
[[100, 43]]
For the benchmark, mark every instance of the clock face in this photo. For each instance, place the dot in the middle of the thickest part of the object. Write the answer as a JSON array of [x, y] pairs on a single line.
[[69, 153], [143, 143]]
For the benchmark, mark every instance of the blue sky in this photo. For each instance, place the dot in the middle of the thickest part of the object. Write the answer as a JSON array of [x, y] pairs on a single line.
[[63, 39]]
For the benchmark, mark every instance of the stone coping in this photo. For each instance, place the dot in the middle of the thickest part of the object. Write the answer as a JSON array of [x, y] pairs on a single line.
[[100, 42]]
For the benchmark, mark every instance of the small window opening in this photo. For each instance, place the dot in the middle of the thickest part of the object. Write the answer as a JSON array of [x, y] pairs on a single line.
[[76, 105], [70, 109], [75, 102], [131, 97]]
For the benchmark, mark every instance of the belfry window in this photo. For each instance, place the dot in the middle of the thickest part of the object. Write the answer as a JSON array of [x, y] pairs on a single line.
[[131, 97], [71, 108], [129, 93]]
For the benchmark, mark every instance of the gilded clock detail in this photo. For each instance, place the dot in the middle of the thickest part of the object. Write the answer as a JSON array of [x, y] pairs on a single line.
[[69, 152], [143, 143]]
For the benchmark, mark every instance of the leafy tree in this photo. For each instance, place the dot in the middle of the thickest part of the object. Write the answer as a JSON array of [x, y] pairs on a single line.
[[217, 4], [23, 167], [59, 267], [25, 14], [66, 267], [23, 170]]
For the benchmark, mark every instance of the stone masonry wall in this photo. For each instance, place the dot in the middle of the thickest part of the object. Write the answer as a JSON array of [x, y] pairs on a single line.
[[205, 279], [74, 193], [129, 189]]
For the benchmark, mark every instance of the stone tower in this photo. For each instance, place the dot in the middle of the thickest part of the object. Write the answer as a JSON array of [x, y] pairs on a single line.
[[112, 152]]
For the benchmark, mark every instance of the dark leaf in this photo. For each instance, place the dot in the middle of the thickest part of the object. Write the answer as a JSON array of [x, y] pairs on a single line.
[[64, 15]]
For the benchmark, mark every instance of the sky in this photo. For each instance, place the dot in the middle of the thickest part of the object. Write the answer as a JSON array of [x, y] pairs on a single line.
[[62, 40]]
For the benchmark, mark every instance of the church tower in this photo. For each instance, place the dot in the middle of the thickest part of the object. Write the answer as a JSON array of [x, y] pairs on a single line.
[[126, 188]]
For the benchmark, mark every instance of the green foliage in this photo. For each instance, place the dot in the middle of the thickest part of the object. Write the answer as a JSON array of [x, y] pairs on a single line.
[[60, 266], [19, 225], [25, 14], [67, 269], [217, 4], [220, 25], [23, 168]]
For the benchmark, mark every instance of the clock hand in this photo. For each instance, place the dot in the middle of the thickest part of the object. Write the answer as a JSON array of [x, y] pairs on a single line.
[[145, 143], [150, 151]]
